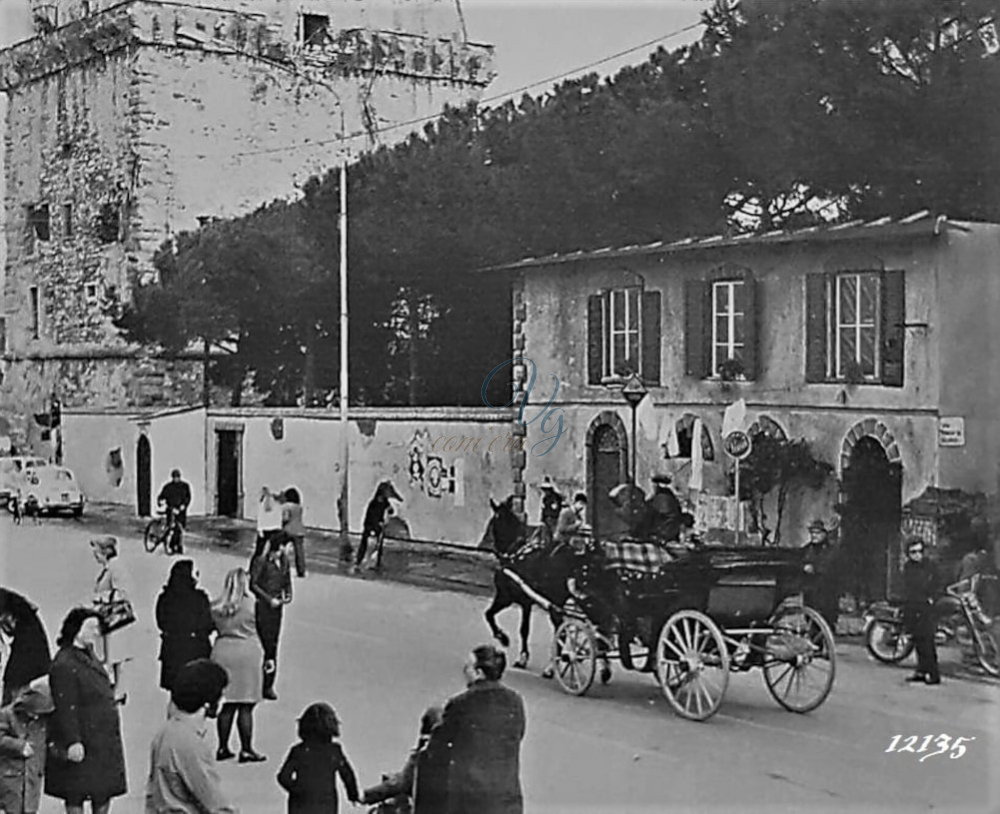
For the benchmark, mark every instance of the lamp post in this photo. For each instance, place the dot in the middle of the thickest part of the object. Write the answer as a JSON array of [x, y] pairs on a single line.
[[634, 392]]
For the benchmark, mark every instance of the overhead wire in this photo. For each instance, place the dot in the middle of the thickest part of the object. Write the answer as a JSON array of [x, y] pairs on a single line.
[[374, 132]]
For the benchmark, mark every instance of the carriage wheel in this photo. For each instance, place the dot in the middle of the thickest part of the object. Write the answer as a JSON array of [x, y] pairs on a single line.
[[692, 664], [574, 655], [799, 659]]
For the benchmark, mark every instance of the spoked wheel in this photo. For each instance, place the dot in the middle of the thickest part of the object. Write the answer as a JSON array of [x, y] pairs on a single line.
[[574, 655], [151, 538], [988, 651], [692, 664], [888, 642], [799, 659]]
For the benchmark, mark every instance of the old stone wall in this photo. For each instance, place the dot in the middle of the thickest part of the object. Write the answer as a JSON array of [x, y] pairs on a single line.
[[130, 122]]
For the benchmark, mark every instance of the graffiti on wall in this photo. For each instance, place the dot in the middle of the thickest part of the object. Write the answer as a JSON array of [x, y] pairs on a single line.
[[430, 473]]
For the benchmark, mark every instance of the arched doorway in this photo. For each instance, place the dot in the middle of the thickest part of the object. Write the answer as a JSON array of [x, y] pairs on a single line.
[[871, 508], [144, 476], [607, 466]]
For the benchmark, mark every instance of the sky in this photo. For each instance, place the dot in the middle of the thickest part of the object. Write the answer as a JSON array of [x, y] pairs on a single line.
[[534, 40]]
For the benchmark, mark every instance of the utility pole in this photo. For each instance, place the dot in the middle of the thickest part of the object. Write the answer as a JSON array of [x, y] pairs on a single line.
[[345, 526]]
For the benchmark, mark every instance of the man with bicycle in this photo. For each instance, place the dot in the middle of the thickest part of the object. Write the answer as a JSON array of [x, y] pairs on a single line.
[[176, 495]]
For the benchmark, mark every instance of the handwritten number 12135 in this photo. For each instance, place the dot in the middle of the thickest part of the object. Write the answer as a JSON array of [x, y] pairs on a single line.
[[942, 744]]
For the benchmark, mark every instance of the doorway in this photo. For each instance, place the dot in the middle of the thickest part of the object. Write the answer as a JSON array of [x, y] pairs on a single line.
[[871, 510], [144, 476], [607, 467], [228, 449]]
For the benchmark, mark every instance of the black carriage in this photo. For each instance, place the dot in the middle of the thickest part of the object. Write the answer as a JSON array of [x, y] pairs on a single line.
[[707, 613]]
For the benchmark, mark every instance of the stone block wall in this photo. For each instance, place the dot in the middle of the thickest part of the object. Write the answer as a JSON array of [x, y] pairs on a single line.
[[132, 121]]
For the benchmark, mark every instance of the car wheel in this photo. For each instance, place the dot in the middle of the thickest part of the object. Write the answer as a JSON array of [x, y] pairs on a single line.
[[77, 511]]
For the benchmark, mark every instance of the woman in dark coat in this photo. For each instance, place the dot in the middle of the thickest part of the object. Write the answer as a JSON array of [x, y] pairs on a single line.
[[29, 651], [184, 617], [87, 760]]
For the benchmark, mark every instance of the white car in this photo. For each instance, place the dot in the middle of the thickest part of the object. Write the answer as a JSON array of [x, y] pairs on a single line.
[[12, 472], [52, 489]]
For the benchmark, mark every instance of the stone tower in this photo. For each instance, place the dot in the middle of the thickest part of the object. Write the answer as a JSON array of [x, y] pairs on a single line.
[[130, 121]]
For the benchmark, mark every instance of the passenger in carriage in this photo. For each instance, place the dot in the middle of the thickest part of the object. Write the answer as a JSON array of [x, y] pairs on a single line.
[[663, 511], [572, 520]]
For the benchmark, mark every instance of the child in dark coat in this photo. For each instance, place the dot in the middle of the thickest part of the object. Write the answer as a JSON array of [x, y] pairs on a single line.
[[309, 773], [23, 736]]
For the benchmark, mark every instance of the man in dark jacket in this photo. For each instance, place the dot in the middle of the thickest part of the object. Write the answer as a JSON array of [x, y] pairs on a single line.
[[920, 586], [472, 764], [29, 656], [176, 495], [823, 594], [552, 503]]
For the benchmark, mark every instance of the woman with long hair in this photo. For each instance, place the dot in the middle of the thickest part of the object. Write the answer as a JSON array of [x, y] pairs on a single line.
[[86, 758], [237, 649], [184, 617]]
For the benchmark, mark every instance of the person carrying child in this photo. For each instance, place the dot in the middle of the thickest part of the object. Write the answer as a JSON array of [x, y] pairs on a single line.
[[395, 792], [23, 736], [309, 773]]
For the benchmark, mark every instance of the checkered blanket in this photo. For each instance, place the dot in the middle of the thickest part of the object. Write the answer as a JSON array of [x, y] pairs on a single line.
[[644, 558]]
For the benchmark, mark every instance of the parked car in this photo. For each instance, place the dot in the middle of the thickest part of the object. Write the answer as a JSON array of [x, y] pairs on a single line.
[[52, 489], [12, 471]]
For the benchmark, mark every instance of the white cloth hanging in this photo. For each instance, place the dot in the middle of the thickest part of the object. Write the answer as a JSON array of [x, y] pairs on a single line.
[[696, 482]]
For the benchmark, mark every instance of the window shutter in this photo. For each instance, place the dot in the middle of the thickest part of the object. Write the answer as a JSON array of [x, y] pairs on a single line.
[[893, 334], [651, 337], [595, 338], [816, 334], [750, 349], [697, 353]]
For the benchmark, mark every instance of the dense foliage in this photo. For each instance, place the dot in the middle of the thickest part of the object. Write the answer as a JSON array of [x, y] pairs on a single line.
[[785, 112]]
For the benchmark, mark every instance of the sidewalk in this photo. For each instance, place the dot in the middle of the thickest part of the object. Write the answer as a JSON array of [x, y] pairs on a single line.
[[423, 564], [427, 565]]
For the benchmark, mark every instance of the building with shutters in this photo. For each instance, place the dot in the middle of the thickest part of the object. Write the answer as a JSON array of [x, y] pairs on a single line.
[[129, 122], [877, 342]]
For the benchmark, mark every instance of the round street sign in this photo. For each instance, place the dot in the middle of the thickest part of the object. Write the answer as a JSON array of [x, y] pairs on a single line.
[[737, 444]]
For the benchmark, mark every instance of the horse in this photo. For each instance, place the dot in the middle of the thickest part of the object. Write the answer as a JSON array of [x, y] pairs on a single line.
[[527, 551]]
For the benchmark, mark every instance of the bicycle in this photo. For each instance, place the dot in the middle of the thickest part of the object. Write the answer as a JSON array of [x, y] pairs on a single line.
[[161, 530]]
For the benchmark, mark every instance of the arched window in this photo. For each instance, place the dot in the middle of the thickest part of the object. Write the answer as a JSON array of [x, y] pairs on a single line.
[[768, 426], [682, 440]]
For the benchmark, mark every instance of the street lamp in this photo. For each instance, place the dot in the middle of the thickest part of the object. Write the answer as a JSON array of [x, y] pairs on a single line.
[[634, 392]]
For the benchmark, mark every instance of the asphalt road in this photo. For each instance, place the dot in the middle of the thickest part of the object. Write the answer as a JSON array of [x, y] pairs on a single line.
[[381, 652]]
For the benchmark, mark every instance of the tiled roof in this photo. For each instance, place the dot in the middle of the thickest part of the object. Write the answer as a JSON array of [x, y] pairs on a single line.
[[918, 224]]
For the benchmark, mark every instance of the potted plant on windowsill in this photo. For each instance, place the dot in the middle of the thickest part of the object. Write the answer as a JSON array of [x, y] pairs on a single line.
[[731, 370], [622, 372], [854, 374]]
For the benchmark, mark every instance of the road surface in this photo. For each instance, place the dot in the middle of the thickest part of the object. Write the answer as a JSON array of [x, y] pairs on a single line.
[[380, 653]]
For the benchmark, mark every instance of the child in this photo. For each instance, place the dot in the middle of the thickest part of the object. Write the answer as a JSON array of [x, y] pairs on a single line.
[[395, 792], [309, 773], [23, 735]]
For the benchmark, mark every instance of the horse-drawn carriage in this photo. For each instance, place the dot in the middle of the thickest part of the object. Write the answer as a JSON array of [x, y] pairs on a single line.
[[697, 614]]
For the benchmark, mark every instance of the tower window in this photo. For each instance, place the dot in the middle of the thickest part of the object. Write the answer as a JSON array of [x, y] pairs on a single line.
[[315, 29], [35, 314], [68, 220], [37, 218], [108, 226]]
